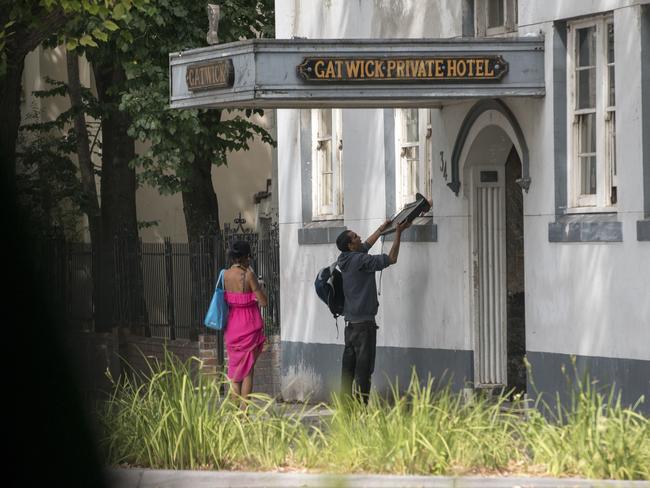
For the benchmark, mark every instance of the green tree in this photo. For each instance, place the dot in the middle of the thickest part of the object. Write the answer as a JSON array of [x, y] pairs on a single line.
[[24, 25], [49, 187], [80, 24], [131, 75], [185, 144]]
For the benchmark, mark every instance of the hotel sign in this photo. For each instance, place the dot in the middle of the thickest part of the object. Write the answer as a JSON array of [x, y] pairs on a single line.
[[209, 76], [403, 69], [355, 73]]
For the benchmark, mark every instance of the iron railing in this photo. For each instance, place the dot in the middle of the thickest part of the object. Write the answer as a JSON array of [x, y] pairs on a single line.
[[161, 289]]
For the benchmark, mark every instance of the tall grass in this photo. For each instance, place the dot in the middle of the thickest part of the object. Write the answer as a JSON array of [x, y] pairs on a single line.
[[593, 436], [420, 431], [166, 419], [169, 418]]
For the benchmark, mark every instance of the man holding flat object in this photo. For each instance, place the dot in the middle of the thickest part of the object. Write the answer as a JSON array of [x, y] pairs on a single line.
[[360, 291]]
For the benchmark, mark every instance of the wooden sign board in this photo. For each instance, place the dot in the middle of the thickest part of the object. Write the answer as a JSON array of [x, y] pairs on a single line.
[[403, 69], [209, 76]]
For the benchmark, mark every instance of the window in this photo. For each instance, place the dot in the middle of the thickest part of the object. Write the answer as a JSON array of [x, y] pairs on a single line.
[[413, 147], [326, 153], [592, 114], [495, 17]]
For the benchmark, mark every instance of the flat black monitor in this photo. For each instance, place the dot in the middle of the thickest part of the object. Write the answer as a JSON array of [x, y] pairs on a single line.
[[408, 213]]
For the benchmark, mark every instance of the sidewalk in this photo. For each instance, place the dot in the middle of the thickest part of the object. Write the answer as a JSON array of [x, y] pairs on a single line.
[[149, 478]]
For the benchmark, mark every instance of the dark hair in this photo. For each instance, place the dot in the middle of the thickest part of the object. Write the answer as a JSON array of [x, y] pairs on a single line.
[[239, 249], [343, 240]]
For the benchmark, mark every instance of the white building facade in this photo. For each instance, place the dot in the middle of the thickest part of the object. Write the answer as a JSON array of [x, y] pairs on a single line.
[[538, 243]]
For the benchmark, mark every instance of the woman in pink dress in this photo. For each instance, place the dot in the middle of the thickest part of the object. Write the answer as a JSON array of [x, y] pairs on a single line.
[[244, 336]]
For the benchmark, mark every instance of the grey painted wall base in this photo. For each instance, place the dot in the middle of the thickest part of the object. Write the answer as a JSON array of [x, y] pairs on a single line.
[[643, 230], [631, 377], [314, 370], [586, 228]]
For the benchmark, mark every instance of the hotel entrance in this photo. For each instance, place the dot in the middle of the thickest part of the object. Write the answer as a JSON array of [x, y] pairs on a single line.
[[452, 333], [493, 172]]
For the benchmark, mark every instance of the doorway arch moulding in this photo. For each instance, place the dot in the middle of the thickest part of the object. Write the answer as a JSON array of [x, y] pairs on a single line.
[[512, 128]]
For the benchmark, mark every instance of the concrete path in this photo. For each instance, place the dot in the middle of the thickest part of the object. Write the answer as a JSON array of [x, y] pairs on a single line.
[[150, 478]]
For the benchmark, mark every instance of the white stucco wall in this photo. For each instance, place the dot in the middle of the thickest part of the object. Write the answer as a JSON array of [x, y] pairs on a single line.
[[340, 19], [581, 298], [587, 298], [535, 11], [412, 293]]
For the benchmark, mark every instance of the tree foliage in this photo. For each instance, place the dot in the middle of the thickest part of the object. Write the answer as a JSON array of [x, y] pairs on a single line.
[[24, 25], [48, 181], [138, 35], [178, 138], [30, 22]]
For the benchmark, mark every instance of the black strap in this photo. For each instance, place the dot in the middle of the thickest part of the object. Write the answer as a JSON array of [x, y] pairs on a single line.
[[382, 271], [243, 286]]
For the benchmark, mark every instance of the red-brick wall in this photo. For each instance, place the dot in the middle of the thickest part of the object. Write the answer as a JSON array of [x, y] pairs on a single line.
[[93, 354], [267, 369], [137, 350]]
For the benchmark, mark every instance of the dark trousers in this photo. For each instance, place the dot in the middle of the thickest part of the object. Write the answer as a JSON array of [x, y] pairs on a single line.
[[359, 357]]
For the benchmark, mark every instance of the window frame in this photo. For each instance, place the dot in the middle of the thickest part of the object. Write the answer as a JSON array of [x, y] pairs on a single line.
[[321, 211], [605, 198], [424, 173], [481, 18]]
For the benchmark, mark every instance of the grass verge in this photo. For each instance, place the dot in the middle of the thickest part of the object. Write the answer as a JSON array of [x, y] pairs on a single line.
[[166, 419]]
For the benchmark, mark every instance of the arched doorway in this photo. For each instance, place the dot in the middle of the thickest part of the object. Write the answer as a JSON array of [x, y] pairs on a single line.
[[492, 171]]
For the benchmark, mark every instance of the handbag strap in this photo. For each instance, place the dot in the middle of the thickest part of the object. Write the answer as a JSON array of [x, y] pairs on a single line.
[[220, 280]]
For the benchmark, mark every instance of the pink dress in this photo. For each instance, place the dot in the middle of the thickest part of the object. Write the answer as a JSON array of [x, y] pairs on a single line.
[[244, 334]]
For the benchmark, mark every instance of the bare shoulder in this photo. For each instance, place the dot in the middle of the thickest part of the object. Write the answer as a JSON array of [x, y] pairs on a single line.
[[230, 274], [228, 277]]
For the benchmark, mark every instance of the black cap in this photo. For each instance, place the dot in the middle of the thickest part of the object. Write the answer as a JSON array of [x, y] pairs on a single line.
[[240, 249]]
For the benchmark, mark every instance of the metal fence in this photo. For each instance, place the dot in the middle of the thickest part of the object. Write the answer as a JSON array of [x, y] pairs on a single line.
[[174, 282]]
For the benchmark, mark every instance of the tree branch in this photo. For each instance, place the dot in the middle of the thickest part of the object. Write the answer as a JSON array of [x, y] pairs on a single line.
[[28, 37]]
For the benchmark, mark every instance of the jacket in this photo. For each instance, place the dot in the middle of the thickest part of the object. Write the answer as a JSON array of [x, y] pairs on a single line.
[[359, 287]]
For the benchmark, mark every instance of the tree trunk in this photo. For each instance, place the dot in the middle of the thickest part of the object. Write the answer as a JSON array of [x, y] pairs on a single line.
[[201, 209], [200, 204], [90, 202], [10, 121], [121, 300]]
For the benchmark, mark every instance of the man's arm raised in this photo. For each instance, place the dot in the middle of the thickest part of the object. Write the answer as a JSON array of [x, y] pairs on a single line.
[[394, 250], [375, 235]]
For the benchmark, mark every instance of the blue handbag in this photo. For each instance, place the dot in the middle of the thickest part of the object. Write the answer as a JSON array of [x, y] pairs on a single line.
[[217, 316]]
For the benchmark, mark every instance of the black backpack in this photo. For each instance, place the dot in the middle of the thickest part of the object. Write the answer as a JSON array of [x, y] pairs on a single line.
[[329, 288]]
